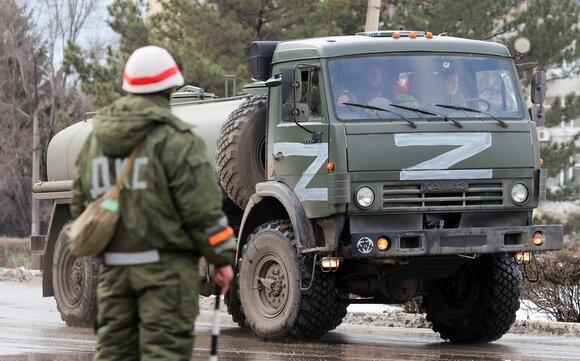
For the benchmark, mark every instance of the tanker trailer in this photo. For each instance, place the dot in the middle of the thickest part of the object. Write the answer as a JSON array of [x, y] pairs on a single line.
[[72, 281]]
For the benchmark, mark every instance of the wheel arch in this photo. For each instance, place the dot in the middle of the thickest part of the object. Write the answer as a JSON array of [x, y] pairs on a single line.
[[275, 200], [60, 216]]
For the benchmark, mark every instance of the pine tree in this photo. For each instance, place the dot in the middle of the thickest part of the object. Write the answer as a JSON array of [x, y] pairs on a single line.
[[100, 70]]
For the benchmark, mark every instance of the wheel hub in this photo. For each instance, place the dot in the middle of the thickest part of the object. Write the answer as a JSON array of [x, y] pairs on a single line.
[[73, 278], [272, 286]]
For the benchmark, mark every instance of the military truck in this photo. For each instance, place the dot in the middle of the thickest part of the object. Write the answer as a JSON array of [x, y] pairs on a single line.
[[381, 167]]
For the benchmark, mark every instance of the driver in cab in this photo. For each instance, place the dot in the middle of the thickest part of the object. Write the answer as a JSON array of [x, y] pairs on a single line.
[[449, 83]]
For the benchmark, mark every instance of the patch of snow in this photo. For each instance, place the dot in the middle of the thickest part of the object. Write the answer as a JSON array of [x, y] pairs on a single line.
[[529, 312], [372, 308], [20, 274]]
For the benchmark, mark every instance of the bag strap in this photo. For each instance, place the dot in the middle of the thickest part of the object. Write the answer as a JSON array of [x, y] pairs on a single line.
[[125, 171]]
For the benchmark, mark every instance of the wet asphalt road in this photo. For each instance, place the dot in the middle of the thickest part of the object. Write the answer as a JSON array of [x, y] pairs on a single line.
[[31, 329]]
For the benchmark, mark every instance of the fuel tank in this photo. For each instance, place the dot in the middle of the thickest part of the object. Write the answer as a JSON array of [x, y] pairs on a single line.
[[207, 116]]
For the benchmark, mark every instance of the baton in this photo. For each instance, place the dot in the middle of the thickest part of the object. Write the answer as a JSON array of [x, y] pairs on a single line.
[[215, 327]]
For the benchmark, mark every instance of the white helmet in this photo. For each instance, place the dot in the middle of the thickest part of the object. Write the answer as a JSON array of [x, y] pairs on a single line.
[[151, 69]]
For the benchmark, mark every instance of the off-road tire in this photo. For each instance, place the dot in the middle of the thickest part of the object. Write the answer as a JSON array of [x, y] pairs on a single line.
[[306, 315], [494, 292], [74, 281], [233, 302], [241, 150]]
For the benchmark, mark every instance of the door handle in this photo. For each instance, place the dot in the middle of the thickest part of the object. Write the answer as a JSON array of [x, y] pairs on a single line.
[[278, 156]]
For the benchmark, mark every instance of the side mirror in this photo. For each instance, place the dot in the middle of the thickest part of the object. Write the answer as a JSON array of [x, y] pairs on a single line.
[[292, 109], [538, 87], [299, 113], [291, 83]]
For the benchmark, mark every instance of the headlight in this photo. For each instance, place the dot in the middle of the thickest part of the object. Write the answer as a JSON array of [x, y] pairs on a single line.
[[365, 197], [519, 193]]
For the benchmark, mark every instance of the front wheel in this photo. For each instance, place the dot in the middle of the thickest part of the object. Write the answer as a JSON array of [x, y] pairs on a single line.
[[270, 277], [75, 282], [478, 303]]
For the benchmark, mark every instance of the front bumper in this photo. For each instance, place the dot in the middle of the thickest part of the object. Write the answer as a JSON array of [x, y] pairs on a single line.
[[465, 241]]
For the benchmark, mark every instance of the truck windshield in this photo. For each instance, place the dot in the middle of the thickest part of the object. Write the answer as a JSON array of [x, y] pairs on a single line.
[[425, 82]]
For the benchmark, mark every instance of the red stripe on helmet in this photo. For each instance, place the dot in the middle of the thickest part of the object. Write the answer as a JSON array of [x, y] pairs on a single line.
[[146, 80]]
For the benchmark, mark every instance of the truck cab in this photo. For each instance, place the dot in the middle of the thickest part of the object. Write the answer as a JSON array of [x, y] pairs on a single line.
[[407, 165]]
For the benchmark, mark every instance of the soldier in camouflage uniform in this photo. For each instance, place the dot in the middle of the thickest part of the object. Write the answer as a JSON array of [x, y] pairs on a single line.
[[170, 215]]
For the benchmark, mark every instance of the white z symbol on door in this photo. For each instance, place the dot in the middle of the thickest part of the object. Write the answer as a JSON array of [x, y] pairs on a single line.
[[318, 150], [438, 167]]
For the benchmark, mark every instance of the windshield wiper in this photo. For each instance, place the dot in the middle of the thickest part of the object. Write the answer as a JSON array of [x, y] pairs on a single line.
[[422, 111], [466, 109], [374, 109]]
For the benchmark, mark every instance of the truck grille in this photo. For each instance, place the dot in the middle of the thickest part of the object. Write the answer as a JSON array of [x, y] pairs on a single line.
[[411, 196]]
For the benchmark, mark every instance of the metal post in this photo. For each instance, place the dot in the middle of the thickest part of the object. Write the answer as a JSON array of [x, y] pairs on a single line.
[[35, 217], [231, 77], [373, 13]]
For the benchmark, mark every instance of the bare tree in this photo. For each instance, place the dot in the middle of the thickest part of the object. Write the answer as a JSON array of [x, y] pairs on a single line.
[[66, 20], [34, 83], [18, 44]]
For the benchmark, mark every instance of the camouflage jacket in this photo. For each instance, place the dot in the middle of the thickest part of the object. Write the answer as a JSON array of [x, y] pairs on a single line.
[[171, 200]]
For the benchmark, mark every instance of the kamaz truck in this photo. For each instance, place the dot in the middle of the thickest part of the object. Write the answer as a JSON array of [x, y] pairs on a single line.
[[381, 167]]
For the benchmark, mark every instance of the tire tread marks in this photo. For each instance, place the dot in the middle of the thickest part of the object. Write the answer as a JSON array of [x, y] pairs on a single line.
[[228, 165]]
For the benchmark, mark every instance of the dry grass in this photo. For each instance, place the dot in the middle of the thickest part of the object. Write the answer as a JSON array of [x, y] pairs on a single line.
[[557, 292], [15, 252]]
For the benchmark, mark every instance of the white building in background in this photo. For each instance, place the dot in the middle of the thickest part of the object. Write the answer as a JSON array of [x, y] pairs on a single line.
[[560, 87]]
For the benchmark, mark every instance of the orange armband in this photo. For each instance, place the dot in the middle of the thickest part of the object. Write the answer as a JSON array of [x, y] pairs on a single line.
[[221, 236]]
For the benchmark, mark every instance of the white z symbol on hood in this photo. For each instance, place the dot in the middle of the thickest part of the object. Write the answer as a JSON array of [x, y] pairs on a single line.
[[438, 167]]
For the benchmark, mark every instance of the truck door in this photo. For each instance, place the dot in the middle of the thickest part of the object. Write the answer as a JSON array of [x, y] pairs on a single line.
[[299, 150]]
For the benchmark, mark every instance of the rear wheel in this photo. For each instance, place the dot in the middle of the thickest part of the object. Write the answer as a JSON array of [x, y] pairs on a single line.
[[270, 276], [478, 303], [75, 282]]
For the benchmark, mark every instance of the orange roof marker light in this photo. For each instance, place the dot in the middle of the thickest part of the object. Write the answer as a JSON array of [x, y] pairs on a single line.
[[413, 35], [429, 35], [396, 35]]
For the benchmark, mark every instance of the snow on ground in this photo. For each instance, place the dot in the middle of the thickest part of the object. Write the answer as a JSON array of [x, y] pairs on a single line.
[[527, 311], [20, 274], [372, 308]]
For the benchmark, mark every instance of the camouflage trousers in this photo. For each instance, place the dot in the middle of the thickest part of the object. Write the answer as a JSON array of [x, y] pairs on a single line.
[[146, 312]]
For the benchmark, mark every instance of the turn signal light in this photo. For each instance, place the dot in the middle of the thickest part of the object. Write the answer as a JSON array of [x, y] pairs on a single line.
[[329, 263], [524, 257], [330, 166], [429, 35], [383, 243], [538, 238]]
